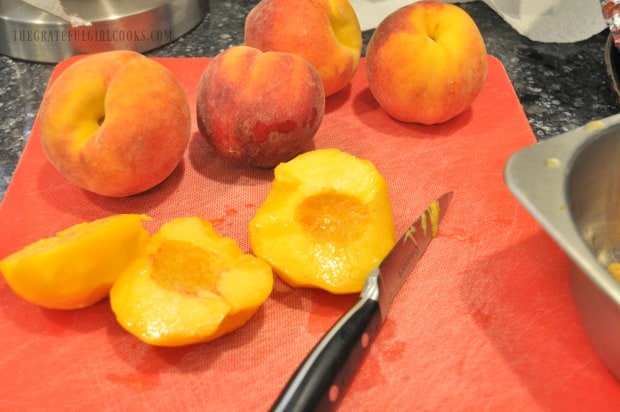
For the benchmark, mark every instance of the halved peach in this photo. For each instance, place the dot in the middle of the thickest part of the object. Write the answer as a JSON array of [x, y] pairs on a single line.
[[190, 285], [326, 222]]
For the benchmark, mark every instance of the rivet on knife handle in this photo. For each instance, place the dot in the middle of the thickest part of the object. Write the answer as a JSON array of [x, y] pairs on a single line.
[[320, 381]]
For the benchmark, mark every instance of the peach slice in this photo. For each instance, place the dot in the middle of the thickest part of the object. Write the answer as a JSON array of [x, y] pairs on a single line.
[[326, 222], [75, 268], [190, 285]]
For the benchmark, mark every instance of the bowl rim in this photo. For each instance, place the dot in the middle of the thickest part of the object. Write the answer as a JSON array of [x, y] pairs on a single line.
[[537, 177]]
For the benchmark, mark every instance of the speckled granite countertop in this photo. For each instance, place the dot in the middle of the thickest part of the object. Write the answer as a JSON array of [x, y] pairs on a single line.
[[561, 86]]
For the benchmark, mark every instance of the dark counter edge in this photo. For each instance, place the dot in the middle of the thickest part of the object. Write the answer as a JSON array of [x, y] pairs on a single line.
[[560, 86]]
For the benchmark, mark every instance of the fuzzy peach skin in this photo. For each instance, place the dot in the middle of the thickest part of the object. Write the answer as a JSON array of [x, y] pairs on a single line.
[[115, 123], [426, 62], [325, 32], [259, 109]]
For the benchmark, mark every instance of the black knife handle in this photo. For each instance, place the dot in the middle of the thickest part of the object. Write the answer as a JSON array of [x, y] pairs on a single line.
[[320, 381]]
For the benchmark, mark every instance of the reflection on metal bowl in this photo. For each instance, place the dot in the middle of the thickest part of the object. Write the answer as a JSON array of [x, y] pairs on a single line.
[[29, 33]]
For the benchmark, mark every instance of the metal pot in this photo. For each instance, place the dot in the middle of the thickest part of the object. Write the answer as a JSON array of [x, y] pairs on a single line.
[[29, 33]]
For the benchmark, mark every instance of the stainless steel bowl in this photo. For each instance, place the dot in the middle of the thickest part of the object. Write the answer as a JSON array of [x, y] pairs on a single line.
[[571, 185]]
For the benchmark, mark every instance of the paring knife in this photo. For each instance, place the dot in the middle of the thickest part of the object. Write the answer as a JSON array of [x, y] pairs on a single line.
[[320, 381]]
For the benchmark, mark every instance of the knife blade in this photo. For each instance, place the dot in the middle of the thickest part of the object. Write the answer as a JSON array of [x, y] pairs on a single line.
[[320, 381]]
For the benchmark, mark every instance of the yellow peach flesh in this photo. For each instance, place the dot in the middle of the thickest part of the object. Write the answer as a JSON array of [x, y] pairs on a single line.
[[76, 267], [190, 285], [326, 222]]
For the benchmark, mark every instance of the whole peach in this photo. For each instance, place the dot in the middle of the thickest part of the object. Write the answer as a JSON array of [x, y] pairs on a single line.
[[259, 109], [426, 62], [324, 32], [115, 123]]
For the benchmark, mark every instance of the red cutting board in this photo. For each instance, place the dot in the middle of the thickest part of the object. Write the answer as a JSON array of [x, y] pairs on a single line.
[[485, 320]]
